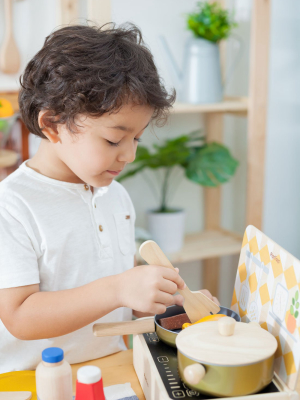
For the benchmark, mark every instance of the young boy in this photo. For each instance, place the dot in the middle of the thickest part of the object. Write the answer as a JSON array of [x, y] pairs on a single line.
[[66, 227]]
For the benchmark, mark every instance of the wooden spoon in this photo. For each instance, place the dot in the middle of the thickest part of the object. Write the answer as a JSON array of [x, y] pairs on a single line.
[[196, 304], [9, 54], [15, 395]]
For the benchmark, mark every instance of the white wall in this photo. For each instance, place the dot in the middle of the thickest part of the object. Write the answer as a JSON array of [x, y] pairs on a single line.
[[282, 180], [35, 19]]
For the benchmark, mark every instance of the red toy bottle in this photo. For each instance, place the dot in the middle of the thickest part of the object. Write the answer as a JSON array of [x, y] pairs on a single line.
[[89, 384]]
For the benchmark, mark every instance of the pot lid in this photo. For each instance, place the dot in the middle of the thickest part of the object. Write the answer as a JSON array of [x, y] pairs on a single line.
[[249, 344]]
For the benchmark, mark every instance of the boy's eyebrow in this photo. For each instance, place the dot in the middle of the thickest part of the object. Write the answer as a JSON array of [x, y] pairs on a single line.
[[125, 128]]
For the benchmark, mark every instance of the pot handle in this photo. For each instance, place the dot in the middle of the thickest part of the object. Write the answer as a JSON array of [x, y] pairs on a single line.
[[194, 373], [141, 325]]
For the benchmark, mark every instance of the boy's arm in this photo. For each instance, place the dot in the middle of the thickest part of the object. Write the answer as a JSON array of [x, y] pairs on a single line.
[[30, 314]]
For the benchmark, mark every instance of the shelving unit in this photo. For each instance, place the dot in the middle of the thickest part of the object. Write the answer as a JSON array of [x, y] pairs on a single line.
[[207, 244], [213, 242], [229, 105]]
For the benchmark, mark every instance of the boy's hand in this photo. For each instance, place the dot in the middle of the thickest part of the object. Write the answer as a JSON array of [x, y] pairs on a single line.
[[150, 288]]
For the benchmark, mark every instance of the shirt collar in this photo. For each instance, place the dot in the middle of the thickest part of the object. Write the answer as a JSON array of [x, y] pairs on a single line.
[[98, 192]]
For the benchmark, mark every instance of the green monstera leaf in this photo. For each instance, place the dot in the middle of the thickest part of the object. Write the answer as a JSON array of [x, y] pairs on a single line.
[[211, 165]]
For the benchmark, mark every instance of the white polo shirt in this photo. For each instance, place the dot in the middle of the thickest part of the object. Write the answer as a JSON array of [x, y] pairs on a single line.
[[61, 236]]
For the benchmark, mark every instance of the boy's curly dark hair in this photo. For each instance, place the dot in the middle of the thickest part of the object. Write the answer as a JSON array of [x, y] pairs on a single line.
[[90, 70]]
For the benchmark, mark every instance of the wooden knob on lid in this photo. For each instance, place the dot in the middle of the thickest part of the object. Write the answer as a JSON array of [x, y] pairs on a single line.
[[226, 326]]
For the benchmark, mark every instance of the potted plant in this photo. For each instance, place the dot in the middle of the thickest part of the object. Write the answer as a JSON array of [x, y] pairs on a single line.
[[207, 164], [200, 81]]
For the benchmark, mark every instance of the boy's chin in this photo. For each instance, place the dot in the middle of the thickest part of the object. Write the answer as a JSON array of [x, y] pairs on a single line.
[[102, 182]]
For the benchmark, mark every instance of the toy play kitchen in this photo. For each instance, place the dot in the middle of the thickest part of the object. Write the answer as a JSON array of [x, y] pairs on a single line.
[[259, 356]]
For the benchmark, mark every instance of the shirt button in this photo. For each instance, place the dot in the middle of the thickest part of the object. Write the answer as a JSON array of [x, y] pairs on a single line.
[[95, 205], [86, 187], [100, 228]]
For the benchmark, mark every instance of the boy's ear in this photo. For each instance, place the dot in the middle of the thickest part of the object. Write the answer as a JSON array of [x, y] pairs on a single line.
[[48, 128]]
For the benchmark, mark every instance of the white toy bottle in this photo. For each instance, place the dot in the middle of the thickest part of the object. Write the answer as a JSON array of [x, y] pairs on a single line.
[[53, 376]]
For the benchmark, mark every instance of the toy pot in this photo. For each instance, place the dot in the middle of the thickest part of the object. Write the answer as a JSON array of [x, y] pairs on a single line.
[[226, 358]]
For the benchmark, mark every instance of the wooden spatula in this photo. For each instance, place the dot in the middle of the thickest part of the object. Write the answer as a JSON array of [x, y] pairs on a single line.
[[196, 304], [15, 395]]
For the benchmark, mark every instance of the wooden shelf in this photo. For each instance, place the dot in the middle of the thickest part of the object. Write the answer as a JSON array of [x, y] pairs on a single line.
[[236, 105], [208, 244], [8, 158]]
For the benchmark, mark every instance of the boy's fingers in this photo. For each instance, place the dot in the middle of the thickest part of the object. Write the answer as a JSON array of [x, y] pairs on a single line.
[[165, 298], [178, 300], [168, 286], [174, 276]]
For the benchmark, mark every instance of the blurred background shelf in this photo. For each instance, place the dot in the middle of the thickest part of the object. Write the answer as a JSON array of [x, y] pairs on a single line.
[[8, 158], [235, 105], [12, 97], [208, 244]]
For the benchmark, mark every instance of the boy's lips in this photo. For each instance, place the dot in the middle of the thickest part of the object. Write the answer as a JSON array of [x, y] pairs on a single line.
[[114, 172]]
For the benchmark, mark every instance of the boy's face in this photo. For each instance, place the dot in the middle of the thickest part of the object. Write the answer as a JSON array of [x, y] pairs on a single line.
[[104, 145]]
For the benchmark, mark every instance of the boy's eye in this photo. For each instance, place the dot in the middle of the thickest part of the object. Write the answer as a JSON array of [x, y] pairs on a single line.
[[117, 144], [113, 143]]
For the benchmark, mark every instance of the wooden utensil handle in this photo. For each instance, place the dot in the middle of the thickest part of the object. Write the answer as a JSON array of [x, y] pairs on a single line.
[[152, 254], [141, 325], [8, 17]]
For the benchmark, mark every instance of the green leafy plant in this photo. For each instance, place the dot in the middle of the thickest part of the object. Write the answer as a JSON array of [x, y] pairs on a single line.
[[210, 22], [207, 164]]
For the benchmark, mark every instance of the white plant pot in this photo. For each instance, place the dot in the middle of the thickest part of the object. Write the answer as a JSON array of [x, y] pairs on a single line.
[[167, 229]]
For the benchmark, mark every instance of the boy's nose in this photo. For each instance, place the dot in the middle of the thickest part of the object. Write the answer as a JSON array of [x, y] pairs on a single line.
[[128, 154]]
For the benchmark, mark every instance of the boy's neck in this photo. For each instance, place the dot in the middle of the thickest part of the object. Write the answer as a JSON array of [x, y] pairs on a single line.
[[46, 162]]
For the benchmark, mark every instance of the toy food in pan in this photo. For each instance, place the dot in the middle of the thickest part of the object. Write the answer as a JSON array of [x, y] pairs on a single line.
[[226, 358], [150, 324]]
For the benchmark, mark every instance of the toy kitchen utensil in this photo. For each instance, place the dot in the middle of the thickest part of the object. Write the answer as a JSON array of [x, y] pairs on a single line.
[[267, 291], [196, 304], [226, 358], [149, 325], [15, 395], [9, 53]]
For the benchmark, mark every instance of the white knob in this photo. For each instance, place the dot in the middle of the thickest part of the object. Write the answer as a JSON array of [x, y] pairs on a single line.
[[194, 373], [226, 326]]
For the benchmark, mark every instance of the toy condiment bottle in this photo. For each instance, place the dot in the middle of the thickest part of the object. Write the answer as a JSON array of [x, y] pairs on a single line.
[[89, 384], [54, 376]]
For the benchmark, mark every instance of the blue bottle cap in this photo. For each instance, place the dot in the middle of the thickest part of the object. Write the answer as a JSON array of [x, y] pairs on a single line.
[[52, 355]]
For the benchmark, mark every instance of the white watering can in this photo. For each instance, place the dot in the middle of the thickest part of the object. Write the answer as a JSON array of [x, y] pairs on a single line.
[[200, 79]]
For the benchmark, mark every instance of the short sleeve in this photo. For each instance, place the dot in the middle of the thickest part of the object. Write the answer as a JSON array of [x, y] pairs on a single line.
[[18, 259]]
